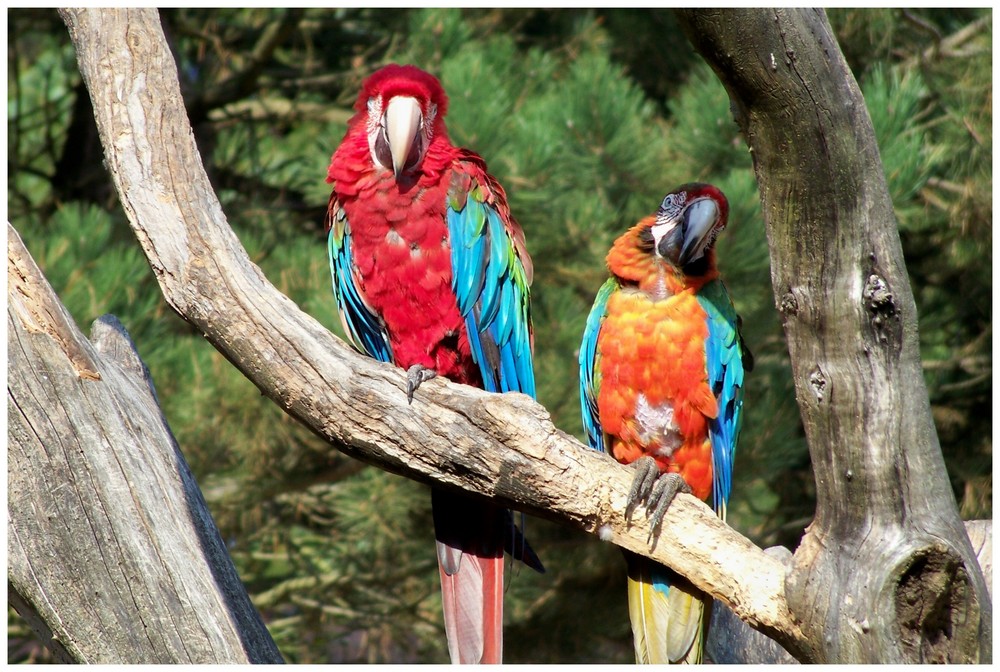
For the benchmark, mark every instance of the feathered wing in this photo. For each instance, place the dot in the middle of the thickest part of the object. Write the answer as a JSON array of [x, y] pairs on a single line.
[[590, 366], [363, 326], [491, 272], [724, 359]]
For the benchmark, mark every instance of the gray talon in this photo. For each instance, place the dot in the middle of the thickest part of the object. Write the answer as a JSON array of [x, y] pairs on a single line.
[[646, 473], [666, 488], [655, 490], [415, 376]]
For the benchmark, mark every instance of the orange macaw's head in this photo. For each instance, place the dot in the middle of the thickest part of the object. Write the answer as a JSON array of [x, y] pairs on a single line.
[[672, 250]]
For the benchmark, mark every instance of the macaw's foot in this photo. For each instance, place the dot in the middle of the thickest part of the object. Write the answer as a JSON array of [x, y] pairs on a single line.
[[654, 489], [415, 375]]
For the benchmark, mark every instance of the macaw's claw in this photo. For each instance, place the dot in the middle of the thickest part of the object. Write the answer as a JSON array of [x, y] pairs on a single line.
[[646, 473], [655, 490], [664, 490], [415, 375]]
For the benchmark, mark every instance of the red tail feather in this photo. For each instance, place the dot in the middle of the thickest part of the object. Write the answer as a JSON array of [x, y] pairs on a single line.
[[473, 608]]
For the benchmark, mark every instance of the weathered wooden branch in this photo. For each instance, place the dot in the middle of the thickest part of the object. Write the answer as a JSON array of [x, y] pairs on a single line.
[[112, 554], [499, 446], [886, 572]]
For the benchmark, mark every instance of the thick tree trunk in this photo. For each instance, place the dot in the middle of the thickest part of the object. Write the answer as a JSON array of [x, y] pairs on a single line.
[[885, 572], [112, 554]]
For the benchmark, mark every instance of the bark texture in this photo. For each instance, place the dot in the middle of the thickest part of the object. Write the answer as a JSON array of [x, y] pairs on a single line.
[[886, 572], [112, 554]]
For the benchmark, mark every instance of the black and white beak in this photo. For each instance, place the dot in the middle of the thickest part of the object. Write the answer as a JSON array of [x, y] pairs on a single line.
[[684, 239]]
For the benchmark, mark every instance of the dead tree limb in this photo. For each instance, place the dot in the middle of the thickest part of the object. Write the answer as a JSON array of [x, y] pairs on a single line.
[[112, 554], [885, 572]]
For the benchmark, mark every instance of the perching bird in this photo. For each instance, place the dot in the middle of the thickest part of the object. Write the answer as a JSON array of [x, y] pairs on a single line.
[[430, 273], [661, 388]]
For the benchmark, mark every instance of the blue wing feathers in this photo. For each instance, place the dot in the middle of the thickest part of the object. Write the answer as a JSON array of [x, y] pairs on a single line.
[[590, 382], [508, 313], [496, 267], [724, 362], [492, 292], [363, 327], [509, 369], [468, 269]]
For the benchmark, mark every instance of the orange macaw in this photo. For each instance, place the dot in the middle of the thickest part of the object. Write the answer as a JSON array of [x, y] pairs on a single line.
[[661, 382]]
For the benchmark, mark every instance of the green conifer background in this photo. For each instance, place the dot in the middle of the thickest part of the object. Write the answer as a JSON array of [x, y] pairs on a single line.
[[587, 117]]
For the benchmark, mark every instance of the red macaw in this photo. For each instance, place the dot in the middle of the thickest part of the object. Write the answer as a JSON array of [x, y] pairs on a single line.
[[430, 273], [661, 382]]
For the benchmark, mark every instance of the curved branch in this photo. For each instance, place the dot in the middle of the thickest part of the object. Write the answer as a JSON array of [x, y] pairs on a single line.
[[501, 446]]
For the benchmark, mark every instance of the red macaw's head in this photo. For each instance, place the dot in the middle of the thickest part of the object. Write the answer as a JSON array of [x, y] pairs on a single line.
[[686, 225], [403, 109]]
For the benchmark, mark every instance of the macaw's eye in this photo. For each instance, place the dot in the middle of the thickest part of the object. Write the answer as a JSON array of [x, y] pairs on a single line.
[[383, 154], [671, 206], [372, 103]]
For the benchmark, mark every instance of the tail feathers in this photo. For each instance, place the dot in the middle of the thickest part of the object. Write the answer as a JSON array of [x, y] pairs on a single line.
[[668, 614], [473, 606], [516, 544], [470, 543]]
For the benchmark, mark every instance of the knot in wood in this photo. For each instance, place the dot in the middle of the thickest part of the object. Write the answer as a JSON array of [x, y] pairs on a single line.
[[818, 383], [789, 305], [881, 307], [935, 606], [877, 296]]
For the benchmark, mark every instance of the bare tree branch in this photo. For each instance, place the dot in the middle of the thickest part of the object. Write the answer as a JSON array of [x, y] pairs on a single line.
[[886, 571]]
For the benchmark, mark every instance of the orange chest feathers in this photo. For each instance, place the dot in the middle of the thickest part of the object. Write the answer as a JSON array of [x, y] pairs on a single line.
[[654, 397]]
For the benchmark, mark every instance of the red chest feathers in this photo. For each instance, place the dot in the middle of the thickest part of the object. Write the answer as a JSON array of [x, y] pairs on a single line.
[[399, 242]]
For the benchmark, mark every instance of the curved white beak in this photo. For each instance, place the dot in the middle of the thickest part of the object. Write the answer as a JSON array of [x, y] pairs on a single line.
[[402, 123]]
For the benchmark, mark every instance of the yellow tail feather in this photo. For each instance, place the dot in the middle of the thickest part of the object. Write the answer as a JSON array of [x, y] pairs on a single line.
[[667, 627]]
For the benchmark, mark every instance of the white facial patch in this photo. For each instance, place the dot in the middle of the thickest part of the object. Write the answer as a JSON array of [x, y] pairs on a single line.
[[373, 127], [661, 229]]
